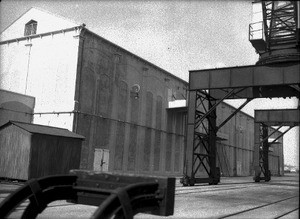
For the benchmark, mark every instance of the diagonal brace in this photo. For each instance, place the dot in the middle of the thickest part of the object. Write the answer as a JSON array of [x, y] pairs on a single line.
[[281, 134], [233, 114]]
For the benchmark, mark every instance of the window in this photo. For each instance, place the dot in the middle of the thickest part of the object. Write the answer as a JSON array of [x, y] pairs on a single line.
[[30, 28]]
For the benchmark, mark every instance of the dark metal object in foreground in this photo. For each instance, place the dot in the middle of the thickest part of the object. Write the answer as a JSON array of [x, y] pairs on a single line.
[[115, 194]]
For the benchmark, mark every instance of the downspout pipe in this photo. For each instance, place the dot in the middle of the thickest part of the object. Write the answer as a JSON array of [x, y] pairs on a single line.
[[77, 103]]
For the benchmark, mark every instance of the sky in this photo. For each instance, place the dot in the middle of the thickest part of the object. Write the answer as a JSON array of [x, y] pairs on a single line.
[[177, 36]]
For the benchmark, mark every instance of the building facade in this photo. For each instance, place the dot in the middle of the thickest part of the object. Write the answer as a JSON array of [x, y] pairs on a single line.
[[121, 103], [15, 106]]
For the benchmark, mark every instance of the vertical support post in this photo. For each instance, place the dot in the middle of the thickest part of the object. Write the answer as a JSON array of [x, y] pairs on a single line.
[[261, 153], [188, 174], [257, 170], [265, 153], [214, 177]]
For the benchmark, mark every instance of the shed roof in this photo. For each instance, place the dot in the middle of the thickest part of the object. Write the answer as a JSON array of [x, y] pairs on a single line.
[[45, 130]]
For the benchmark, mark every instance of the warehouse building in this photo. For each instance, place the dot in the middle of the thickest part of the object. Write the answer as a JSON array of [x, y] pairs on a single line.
[[125, 107]]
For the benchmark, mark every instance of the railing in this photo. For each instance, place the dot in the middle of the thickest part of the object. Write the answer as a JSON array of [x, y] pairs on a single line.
[[256, 31]]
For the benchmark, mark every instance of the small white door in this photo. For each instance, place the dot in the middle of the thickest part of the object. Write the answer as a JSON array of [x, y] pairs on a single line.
[[101, 159]]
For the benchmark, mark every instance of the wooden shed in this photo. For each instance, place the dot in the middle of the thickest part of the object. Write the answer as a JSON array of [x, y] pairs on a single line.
[[31, 151]]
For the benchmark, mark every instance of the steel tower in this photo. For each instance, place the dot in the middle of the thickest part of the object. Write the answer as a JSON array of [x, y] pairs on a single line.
[[274, 33]]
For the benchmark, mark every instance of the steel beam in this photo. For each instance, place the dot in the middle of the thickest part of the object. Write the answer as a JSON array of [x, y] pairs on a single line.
[[244, 76], [258, 92], [263, 119], [273, 142], [245, 82], [266, 138], [234, 113], [283, 117]]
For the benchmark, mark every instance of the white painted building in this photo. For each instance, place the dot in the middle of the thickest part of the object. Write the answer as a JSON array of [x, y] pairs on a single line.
[[42, 64]]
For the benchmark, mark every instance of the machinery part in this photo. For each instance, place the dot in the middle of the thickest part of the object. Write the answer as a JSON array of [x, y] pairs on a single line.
[[121, 196], [275, 36]]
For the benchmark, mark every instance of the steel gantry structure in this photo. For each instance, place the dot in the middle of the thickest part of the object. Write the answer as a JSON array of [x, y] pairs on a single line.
[[276, 74], [262, 120]]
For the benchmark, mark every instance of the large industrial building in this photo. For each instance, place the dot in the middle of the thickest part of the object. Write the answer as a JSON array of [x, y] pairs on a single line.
[[131, 112]]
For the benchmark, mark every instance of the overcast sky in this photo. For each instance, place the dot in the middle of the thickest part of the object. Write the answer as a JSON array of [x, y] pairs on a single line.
[[177, 36]]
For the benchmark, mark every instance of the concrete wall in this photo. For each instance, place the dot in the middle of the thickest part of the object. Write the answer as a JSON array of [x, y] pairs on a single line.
[[15, 106], [43, 67], [135, 127]]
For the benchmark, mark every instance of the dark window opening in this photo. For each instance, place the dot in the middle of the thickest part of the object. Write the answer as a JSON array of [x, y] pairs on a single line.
[[30, 28]]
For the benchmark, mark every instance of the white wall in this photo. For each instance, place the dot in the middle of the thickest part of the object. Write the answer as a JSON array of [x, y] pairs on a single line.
[[47, 22], [43, 67]]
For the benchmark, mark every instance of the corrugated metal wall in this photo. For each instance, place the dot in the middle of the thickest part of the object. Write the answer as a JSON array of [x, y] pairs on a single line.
[[235, 155], [135, 127]]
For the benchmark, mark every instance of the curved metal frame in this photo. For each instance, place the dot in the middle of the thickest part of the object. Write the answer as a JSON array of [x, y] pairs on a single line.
[[122, 202]]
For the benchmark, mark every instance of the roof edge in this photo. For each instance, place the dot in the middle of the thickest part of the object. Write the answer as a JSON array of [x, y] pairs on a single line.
[[136, 56], [15, 20], [78, 28], [26, 123], [42, 10]]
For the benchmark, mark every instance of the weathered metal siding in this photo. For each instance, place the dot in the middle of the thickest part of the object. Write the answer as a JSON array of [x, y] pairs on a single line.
[[276, 156], [24, 155], [52, 155], [15, 147], [135, 127], [140, 134]]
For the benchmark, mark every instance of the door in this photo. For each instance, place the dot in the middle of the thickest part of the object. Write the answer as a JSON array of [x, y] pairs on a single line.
[[101, 159]]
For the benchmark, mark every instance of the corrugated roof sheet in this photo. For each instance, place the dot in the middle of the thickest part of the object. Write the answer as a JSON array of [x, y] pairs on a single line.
[[46, 130]]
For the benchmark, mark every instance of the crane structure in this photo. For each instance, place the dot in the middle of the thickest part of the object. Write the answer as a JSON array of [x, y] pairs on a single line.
[[262, 120], [274, 33]]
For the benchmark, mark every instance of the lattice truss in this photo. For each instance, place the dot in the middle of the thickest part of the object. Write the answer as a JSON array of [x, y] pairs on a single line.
[[263, 151], [279, 22], [205, 127]]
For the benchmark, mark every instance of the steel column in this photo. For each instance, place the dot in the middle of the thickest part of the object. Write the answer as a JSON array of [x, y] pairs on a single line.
[[261, 153], [189, 147], [214, 172], [200, 148]]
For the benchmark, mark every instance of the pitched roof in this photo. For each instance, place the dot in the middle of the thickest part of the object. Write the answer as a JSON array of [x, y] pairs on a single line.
[[75, 23], [42, 129]]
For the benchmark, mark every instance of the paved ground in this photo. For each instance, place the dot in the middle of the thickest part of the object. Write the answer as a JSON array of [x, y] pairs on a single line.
[[235, 197]]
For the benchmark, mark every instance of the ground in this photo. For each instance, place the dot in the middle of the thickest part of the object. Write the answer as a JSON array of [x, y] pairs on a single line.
[[233, 197]]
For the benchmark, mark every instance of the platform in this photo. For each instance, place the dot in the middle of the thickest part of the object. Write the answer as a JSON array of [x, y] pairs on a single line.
[[234, 197]]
